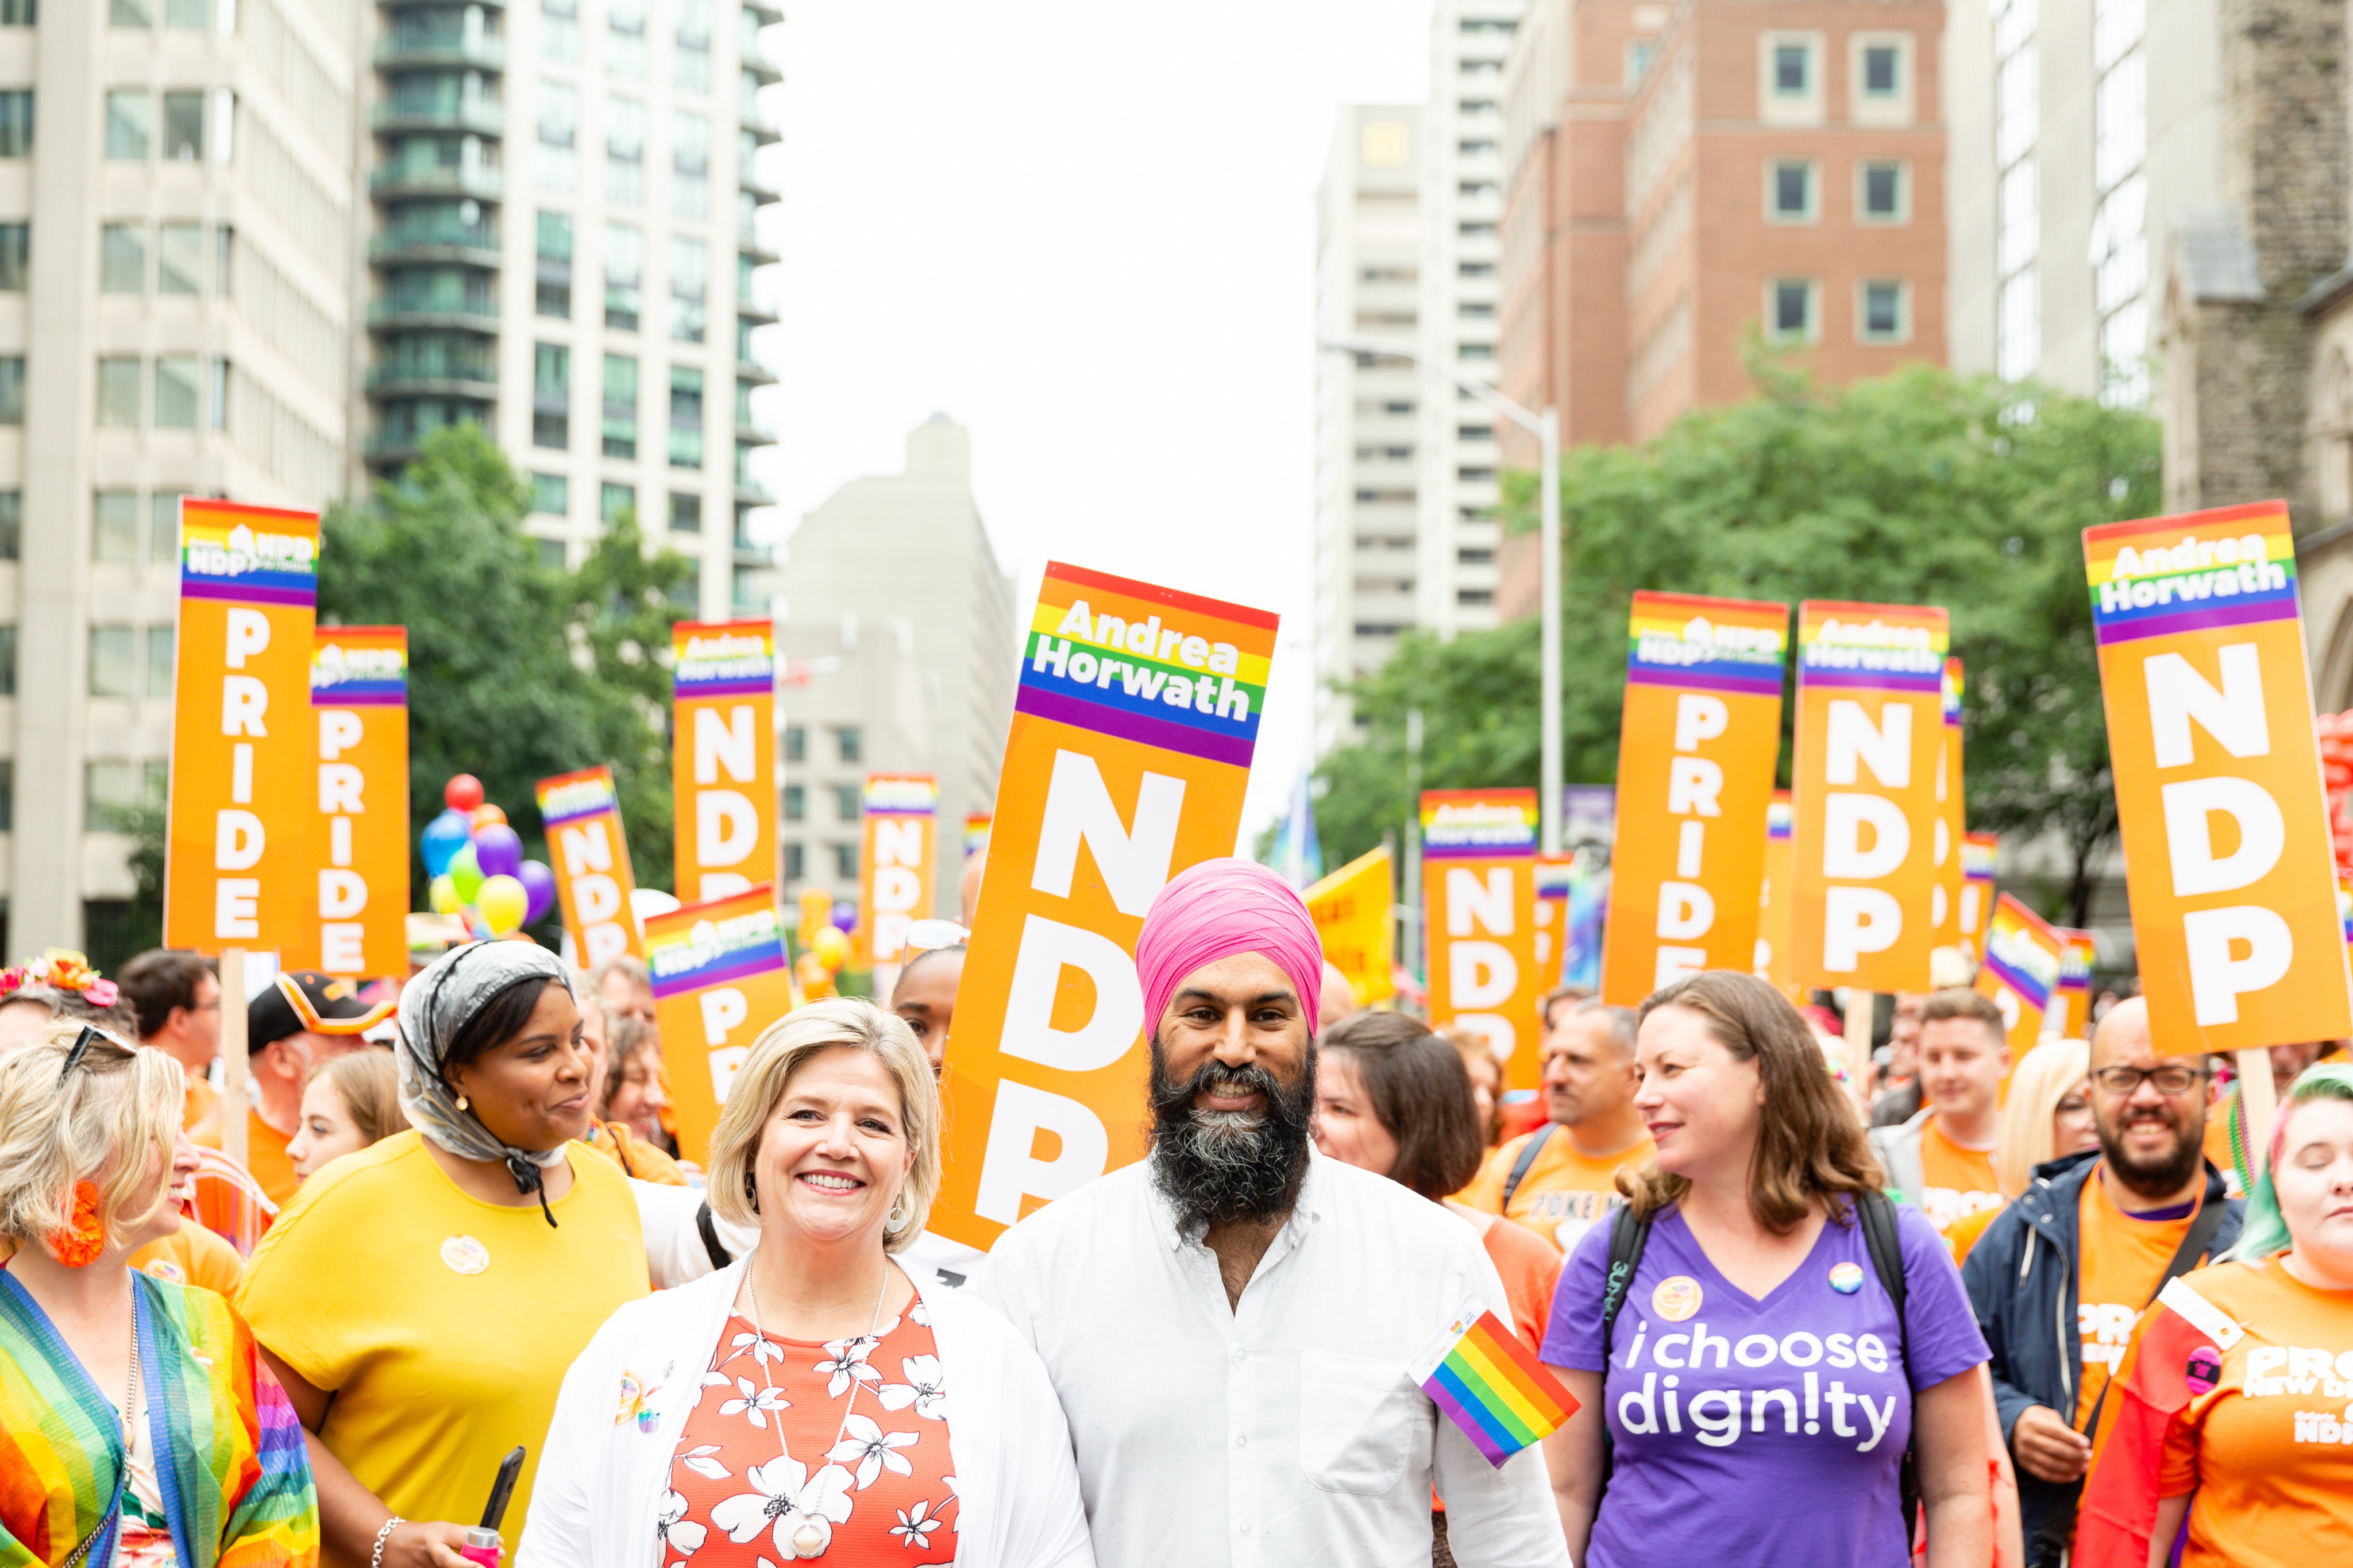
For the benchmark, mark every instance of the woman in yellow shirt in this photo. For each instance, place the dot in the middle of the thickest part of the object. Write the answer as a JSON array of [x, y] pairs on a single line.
[[420, 1300]]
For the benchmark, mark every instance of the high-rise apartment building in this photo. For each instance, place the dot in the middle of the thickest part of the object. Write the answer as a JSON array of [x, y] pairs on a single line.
[[898, 640], [565, 250], [178, 197], [1461, 206], [1369, 255], [1681, 177]]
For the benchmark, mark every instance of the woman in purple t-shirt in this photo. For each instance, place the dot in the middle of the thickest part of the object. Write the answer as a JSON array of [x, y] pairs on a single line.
[[1760, 1391]]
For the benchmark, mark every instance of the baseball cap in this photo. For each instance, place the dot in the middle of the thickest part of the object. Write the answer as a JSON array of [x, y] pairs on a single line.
[[303, 1001]]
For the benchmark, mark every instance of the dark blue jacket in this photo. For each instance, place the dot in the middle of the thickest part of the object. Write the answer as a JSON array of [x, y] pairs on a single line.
[[2021, 1279]]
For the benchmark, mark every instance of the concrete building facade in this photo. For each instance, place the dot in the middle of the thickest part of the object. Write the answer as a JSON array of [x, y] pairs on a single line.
[[898, 636], [179, 190], [1368, 407]]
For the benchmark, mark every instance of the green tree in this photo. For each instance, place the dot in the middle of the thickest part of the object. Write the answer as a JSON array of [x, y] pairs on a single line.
[[1919, 488], [518, 669]]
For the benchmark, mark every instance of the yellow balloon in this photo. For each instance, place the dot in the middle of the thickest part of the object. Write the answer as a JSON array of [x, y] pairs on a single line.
[[832, 948], [443, 896], [503, 902]]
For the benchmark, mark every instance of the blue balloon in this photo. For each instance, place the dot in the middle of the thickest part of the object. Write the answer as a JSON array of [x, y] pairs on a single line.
[[443, 838]]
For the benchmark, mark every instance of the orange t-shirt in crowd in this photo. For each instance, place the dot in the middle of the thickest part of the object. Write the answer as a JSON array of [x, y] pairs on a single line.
[[1955, 1181], [200, 1109], [2119, 1258], [2269, 1446], [1530, 1267], [265, 1156], [1967, 1229], [1564, 1192], [618, 1142]]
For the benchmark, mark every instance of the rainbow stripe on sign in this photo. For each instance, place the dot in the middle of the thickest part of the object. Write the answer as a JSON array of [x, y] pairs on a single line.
[[1979, 853], [1477, 1371], [568, 797], [1478, 824], [2077, 949], [1875, 648], [1146, 664], [248, 555], [1779, 814], [715, 942], [724, 659], [1733, 646], [2232, 566], [359, 667], [1952, 683], [2022, 950], [901, 795]]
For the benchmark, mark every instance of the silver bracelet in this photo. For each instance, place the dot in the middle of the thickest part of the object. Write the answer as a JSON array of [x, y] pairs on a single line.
[[376, 1558]]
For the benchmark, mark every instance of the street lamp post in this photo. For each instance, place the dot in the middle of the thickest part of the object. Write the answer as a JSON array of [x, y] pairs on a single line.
[[1545, 429]]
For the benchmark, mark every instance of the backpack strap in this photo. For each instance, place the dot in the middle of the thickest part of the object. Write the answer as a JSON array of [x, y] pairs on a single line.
[[1875, 1213], [1628, 1236], [1520, 1167]]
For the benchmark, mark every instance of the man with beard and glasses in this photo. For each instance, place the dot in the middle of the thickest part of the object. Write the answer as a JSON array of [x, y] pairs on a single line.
[[2061, 1275], [1229, 1322]]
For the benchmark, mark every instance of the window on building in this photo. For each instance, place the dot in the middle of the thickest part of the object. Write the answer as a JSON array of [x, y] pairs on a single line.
[[613, 500], [1885, 311], [15, 256], [1883, 197], [184, 127], [20, 13], [113, 661], [849, 743], [2017, 245], [558, 162], [12, 393], [1790, 314], [1475, 269], [555, 259], [796, 803], [16, 123], [743, 340], [620, 406], [12, 524], [180, 258], [192, 13], [691, 67], [1793, 71], [796, 863], [8, 663], [118, 391], [625, 266], [1474, 432], [1474, 596], [130, 123], [689, 181], [224, 249], [216, 392], [130, 13], [551, 495], [109, 795], [555, 554], [625, 151], [1789, 190], [624, 45], [685, 513], [179, 392], [559, 29], [114, 528], [1476, 556], [163, 528], [845, 862], [795, 743], [551, 395], [846, 804], [160, 647], [1882, 64], [690, 288], [685, 417]]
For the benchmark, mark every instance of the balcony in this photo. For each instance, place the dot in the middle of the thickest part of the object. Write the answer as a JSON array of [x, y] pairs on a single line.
[[466, 377], [412, 48], [755, 372], [482, 185], [474, 247], [386, 315], [482, 119]]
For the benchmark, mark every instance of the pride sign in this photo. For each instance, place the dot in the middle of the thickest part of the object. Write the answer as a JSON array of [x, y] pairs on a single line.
[[359, 697]]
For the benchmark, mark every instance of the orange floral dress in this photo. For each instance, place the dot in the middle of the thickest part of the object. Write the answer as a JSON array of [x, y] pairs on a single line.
[[769, 1433]]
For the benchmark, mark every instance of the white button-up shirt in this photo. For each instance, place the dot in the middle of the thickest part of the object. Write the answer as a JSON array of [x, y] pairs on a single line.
[[1282, 1430]]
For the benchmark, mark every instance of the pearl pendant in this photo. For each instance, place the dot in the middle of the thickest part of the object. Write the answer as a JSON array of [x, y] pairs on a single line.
[[812, 1534]]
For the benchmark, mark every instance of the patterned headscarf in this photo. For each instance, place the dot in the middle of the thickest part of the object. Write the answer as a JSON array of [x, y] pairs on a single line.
[[1216, 909], [437, 1003]]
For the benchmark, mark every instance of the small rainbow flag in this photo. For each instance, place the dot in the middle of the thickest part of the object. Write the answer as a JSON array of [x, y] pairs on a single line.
[[1489, 1384]]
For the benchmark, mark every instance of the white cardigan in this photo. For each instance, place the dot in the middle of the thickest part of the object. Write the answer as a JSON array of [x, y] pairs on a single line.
[[602, 1473]]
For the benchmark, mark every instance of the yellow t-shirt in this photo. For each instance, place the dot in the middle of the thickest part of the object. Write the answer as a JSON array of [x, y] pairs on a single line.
[[193, 1255], [443, 1324], [1955, 1180], [2119, 1258], [2269, 1446], [1564, 1192], [266, 1159]]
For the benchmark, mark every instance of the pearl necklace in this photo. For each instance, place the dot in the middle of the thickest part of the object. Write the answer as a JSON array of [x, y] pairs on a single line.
[[809, 1533]]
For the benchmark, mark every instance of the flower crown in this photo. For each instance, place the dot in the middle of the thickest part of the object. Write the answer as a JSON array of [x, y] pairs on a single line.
[[61, 968]]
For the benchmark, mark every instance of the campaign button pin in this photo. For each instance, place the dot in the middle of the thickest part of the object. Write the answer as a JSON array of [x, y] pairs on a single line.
[[1846, 1279], [1675, 1298], [464, 1255]]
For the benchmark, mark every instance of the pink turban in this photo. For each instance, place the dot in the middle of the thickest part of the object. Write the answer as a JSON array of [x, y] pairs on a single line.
[[1219, 909]]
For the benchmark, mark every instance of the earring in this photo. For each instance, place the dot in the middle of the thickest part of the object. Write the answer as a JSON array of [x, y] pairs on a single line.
[[79, 1242], [896, 1220], [461, 1102], [751, 1193]]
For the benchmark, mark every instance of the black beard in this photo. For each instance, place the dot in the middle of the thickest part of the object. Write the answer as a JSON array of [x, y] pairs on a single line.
[[1219, 1167], [2159, 1179]]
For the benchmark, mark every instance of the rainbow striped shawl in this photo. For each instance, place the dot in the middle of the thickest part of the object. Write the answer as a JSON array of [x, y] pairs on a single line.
[[235, 1477]]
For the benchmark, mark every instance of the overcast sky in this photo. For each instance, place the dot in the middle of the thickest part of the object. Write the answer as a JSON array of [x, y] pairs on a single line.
[[1086, 232]]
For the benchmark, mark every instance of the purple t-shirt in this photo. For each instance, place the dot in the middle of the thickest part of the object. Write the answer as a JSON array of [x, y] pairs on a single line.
[[1761, 1431]]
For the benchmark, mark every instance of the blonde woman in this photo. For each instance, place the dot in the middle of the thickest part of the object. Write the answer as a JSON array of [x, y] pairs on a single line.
[[811, 1398], [2047, 1116], [138, 1426]]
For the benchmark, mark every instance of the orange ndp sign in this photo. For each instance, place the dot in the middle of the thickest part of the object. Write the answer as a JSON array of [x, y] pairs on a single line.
[[2227, 851], [582, 815], [243, 835], [1700, 737], [720, 977], [1133, 724], [894, 880], [1870, 736], [724, 756], [359, 697], [1945, 904], [1478, 900]]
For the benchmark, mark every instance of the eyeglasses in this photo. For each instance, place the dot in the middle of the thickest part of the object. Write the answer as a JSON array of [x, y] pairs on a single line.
[[2173, 1077]]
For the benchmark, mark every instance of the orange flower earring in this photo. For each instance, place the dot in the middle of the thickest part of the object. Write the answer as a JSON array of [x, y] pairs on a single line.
[[81, 1239]]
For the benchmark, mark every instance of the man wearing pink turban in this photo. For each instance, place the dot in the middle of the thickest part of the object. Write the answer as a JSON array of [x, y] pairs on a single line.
[[1227, 1323]]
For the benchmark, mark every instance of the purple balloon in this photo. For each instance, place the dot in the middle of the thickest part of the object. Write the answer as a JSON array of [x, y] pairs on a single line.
[[539, 882], [845, 916], [498, 849]]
